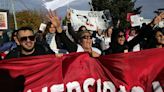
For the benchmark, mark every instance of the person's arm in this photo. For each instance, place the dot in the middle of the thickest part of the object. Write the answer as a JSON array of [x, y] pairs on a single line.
[[146, 31], [71, 31], [157, 19], [6, 46], [55, 21], [99, 32], [15, 53], [70, 46]]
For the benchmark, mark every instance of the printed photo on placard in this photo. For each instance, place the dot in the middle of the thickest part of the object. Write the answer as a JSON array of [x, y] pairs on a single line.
[[3, 20]]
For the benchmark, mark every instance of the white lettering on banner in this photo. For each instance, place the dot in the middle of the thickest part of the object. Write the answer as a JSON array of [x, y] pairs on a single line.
[[73, 85], [57, 88], [107, 85], [29, 90], [98, 85], [122, 88], [137, 89], [157, 87], [88, 82], [45, 89]]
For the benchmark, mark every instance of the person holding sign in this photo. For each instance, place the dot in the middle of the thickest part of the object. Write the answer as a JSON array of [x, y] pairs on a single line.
[[84, 40]]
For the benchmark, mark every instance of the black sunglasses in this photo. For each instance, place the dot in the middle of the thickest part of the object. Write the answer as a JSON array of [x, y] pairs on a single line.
[[86, 37], [32, 38], [121, 35]]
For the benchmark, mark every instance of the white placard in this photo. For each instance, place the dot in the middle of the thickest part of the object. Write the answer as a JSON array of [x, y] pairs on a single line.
[[42, 27], [90, 19], [55, 4], [136, 20]]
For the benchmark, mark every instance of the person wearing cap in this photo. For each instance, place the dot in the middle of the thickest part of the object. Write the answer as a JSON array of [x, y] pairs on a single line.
[[84, 43], [84, 40]]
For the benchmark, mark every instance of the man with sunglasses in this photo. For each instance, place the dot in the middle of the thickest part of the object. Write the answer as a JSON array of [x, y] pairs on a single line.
[[26, 45]]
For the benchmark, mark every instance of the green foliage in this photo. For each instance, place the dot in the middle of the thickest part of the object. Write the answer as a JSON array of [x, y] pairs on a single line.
[[64, 21], [118, 9], [27, 18], [11, 21]]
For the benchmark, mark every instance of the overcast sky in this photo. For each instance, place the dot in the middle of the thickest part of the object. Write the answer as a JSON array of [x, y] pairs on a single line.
[[149, 6]]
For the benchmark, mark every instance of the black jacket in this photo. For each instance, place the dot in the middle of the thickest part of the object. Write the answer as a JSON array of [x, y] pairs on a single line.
[[39, 50], [145, 32]]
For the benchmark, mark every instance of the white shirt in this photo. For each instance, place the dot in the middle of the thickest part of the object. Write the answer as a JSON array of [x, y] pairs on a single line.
[[136, 47], [80, 49]]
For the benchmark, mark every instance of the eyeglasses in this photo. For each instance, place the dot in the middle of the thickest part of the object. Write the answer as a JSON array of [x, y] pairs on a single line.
[[32, 38], [86, 37], [160, 35], [121, 36]]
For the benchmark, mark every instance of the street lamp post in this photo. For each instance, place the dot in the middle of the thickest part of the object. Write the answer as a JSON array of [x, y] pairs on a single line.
[[13, 11]]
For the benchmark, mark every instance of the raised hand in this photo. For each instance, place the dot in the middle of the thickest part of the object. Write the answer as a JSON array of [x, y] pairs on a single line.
[[68, 15], [52, 16], [94, 54], [156, 20], [161, 15], [98, 31]]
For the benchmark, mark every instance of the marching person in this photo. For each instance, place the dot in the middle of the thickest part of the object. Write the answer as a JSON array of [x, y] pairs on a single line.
[[84, 40], [25, 38], [155, 38]]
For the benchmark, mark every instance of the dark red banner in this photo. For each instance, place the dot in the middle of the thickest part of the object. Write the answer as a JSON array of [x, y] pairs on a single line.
[[126, 72]]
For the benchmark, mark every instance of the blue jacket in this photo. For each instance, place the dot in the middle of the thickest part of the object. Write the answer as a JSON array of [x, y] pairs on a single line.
[[7, 46]]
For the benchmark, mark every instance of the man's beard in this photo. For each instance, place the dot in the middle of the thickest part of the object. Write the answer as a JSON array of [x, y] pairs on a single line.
[[27, 50]]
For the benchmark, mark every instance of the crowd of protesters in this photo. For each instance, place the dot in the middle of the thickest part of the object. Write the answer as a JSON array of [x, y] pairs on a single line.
[[53, 40]]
